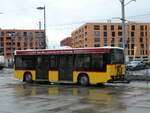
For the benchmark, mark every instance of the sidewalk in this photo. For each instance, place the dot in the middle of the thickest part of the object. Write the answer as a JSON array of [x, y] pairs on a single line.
[[140, 75]]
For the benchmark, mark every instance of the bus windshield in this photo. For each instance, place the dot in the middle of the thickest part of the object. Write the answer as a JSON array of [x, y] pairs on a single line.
[[117, 56]]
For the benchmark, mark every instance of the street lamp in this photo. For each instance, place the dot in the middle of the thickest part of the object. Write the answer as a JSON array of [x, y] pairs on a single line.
[[44, 9], [0, 42], [123, 20]]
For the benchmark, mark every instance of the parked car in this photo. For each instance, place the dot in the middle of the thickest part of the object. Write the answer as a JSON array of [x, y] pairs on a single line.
[[135, 65], [2, 62]]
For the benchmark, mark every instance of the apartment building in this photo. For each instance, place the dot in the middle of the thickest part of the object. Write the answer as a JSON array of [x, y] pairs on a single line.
[[66, 42], [12, 39], [137, 38]]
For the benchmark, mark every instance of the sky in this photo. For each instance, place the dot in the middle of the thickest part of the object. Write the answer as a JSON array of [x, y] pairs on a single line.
[[64, 16]]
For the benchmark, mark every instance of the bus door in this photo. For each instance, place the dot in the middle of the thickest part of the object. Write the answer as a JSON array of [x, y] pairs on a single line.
[[66, 67], [42, 67]]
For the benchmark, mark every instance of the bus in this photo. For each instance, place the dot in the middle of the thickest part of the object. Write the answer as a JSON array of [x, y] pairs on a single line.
[[83, 66]]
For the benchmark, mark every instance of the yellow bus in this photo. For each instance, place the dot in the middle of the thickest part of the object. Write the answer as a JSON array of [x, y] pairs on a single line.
[[81, 65]]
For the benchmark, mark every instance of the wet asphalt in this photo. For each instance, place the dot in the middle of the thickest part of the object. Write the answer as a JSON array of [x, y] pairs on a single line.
[[19, 97]]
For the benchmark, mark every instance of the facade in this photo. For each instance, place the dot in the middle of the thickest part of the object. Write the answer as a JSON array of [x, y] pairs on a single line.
[[66, 42], [137, 38], [11, 40]]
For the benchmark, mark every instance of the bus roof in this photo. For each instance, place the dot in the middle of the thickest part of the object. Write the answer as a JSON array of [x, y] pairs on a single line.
[[65, 51]]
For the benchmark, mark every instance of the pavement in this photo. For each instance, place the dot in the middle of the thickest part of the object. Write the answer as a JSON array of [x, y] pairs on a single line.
[[19, 97], [140, 75]]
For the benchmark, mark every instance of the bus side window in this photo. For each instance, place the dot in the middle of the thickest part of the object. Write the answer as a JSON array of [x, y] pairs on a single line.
[[98, 62], [53, 61], [86, 61], [78, 61], [18, 60], [28, 62], [82, 62]]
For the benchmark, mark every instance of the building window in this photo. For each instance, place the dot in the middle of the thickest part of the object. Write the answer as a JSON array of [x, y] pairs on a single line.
[[142, 34], [25, 38], [31, 38], [97, 33], [128, 45], [146, 34], [25, 44], [79, 30], [132, 46], [96, 27], [132, 52], [112, 27], [105, 44], [146, 52], [18, 34], [142, 52], [96, 45], [133, 27], [145, 27], [85, 34], [31, 44], [132, 40], [25, 33], [112, 40], [142, 46], [96, 39], [19, 38], [105, 40], [119, 33], [132, 33], [112, 45], [120, 40], [128, 52], [40, 33], [113, 34], [85, 27], [141, 39], [105, 33], [119, 27], [2, 33], [104, 27], [141, 27], [120, 45], [18, 44]]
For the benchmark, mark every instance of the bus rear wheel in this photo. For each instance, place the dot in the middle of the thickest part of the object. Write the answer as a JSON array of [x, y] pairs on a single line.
[[83, 80], [28, 78]]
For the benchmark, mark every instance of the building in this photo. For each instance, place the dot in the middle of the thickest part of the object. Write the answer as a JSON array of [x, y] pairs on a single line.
[[66, 42], [137, 38], [12, 39]]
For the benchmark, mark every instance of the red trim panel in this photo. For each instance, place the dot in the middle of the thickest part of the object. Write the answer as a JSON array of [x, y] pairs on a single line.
[[53, 70], [65, 51], [92, 51], [24, 70], [115, 64], [89, 72]]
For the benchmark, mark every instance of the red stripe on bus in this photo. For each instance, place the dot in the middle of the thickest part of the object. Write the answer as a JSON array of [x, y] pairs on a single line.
[[115, 64], [53, 70], [67, 51], [89, 72], [24, 70]]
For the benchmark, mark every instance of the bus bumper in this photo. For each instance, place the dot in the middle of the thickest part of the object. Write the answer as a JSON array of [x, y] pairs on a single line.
[[118, 79]]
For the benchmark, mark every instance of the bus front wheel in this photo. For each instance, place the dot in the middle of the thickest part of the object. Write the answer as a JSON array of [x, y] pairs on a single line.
[[28, 78], [84, 80]]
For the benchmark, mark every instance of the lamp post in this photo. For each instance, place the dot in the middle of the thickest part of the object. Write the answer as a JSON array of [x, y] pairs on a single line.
[[44, 9], [123, 21]]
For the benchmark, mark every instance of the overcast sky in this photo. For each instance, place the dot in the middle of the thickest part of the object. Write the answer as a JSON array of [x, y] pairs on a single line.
[[64, 16]]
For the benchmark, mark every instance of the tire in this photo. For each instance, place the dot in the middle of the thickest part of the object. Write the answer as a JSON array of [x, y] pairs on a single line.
[[83, 80], [28, 78]]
